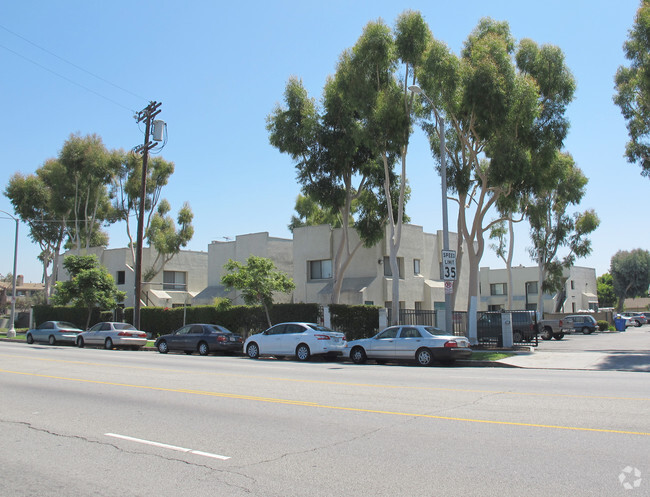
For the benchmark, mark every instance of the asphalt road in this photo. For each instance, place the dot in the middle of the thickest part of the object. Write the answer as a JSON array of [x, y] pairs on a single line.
[[121, 423]]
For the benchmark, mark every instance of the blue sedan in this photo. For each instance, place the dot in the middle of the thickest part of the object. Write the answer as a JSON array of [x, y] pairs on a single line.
[[53, 332]]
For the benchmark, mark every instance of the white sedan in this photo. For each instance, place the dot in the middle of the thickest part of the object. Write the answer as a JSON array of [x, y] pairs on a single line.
[[301, 340], [111, 335], [424, 344]]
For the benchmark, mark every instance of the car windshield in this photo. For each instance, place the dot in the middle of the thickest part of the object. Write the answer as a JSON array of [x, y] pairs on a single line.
[[435, 331], [123, 326]]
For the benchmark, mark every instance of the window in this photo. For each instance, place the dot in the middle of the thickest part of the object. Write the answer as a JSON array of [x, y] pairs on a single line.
[[416, 266], [531, 288], [400, 266], [174, 280], [121, 277], [410, 333], [573, 285], [418, 306], [494, 307], [498, 289], [320, 270]]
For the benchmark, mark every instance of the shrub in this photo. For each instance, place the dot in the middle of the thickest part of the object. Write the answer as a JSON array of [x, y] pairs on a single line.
[[356, 321], [603, 325]]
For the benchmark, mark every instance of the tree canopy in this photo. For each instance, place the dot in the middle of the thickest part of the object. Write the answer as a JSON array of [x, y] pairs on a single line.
[[258, 279], [633, 89], [630, 272], [503, 105], [90, 285]]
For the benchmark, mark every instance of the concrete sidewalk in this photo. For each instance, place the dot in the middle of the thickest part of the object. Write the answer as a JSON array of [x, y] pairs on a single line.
[[638, 361]]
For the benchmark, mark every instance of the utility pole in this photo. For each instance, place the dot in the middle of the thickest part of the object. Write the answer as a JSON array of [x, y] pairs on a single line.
[[147, 114]]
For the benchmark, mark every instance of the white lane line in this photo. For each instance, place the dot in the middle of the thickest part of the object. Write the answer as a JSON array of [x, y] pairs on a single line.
[[167, 446]]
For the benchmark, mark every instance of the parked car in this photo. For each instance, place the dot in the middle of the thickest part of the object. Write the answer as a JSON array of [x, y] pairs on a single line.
[[524, 327], [583, 323], [301, 340], [112, 335], [53, 332], [424, 344], [637, 318], [201, 338]]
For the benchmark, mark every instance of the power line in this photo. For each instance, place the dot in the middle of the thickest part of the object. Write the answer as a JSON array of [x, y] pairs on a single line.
[[73, 65]]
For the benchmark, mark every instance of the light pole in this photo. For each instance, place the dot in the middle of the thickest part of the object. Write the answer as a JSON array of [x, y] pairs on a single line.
[[12, 330], [445, 224]]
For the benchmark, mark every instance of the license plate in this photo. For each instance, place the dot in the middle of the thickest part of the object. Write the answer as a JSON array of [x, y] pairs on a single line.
[[232, 339]]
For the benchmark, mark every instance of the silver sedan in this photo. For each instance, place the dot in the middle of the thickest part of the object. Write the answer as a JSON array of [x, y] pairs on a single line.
[[111, 335], [424, 344]]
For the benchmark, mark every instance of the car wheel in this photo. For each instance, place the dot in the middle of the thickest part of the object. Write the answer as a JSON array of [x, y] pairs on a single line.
[[547, 334], [163, 348], [424, 357], [558, 336], [637, 324], [253, 350], [358, 355], [51, 340], [29, 338], [80, 342], [586, 331], [203, 348], [108, 344], [302, 352], [517, 337]]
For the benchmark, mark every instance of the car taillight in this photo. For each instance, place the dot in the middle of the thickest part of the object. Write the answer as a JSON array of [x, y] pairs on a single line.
[[322, 337], [451, 343], [221, 338], [124, 334], [561, 323]]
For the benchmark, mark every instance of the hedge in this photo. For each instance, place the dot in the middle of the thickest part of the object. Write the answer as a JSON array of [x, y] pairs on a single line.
[[356, 321]]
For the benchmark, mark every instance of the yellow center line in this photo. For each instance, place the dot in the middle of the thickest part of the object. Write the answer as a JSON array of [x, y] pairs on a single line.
[[329, 382], [325, 406]]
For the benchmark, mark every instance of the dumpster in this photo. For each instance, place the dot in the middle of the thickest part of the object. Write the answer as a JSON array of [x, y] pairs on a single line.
[[619, 324]]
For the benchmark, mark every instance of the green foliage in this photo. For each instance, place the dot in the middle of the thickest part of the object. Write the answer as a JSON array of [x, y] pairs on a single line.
[[359, 321], [90, 285], [633, 89], [606, 294], [552, 227], [630, 274], [163, 235], [602, 325], [258, 279], [222, 303]]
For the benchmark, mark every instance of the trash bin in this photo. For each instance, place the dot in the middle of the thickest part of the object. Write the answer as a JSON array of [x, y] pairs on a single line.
[[619, 324]]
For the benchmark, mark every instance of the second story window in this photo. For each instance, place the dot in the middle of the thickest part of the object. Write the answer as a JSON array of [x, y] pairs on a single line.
[[498, 289], [400, 266], [174, 280], [416, 266], [121, 277], [320, 270]]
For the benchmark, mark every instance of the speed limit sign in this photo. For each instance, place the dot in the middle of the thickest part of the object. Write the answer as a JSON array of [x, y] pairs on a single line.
[[449, 265]]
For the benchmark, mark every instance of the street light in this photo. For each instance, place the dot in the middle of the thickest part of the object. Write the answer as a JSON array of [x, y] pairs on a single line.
[[445, 225], [12, 331]]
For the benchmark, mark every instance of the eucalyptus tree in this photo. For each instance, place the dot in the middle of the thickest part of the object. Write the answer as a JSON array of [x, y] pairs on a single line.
[[166, 238], [630, 272], [335, 166], [503, 109], [552, 228], [89, 170], [633, 89], [34, 203], [126, 190]]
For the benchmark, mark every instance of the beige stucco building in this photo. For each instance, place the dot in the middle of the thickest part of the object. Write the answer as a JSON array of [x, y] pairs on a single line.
[[580, 292], [279, 250], [182, 278]]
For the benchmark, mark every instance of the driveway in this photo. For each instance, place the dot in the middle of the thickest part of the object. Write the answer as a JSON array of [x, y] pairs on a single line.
[[619, 351]]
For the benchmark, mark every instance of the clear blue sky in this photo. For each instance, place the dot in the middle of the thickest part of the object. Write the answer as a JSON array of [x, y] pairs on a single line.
[[219, 68]]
